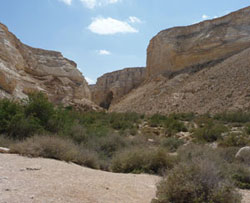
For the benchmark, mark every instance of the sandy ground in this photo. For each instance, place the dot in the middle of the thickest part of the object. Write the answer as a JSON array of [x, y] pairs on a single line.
[[38, 180]]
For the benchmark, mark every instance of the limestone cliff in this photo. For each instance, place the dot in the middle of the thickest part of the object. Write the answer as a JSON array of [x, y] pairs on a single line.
[[198, 46], [200, 68], [24, 69], [112, 86]]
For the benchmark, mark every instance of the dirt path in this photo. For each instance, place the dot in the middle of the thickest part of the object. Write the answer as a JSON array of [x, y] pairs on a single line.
[[38, 180], [26, 180]]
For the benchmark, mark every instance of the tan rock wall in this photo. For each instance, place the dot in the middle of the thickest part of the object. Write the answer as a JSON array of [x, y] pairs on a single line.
[[24, 69], [191, 46], [113, 86]]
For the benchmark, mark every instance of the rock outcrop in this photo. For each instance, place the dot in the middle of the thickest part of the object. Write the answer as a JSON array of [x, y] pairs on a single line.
[[200, 68], [24, 69], [198, 46], [113, 86]]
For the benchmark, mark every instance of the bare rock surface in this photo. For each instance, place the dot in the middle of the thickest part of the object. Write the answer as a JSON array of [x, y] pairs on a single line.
[[41, 180], [200, 45], [220, 82], [224, 87], [24, 69], [112, 86]]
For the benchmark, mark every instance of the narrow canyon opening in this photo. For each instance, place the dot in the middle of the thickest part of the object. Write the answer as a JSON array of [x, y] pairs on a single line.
[[107, 102]]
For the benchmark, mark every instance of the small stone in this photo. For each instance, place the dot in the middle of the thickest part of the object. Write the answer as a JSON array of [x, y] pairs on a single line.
[[34, 168]]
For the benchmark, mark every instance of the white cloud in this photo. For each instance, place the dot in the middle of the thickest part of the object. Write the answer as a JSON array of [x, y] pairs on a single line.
[[110, 26], [104, 52], [89, 80], [91, 4], [204, 17], [68, 2], [134, 19]]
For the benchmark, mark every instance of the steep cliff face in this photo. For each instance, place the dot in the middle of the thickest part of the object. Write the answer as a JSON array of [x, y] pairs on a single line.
[[24, 69], [199, 68], [198, 46], [112, 86]]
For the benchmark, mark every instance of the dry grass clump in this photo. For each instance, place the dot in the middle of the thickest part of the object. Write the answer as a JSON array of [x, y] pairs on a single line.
[[198, 181], [55, 148], [142, 160]]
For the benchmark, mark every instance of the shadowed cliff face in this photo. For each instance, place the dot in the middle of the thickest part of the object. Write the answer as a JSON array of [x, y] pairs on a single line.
[[24, 69], [195, 46], [113, 86]]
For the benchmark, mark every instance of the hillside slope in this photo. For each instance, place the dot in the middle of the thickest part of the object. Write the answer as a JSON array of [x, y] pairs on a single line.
[[198, 68], [223, 87]]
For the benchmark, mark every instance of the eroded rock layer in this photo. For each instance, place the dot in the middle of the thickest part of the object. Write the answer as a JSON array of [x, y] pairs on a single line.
[[24, 69], [112, 86], [200, 68], [198, 46]]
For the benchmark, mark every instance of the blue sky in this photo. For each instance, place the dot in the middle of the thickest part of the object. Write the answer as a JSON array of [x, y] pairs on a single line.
[[104, 35]]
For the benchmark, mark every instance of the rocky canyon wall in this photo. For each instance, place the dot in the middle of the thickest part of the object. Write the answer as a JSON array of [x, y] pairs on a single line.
[[192, 48], [24, 69], [112, 86]]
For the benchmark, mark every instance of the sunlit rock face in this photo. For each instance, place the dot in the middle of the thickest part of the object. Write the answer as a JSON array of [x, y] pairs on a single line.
[[199, 68], [113, 86], [194, 47], [24, 69]]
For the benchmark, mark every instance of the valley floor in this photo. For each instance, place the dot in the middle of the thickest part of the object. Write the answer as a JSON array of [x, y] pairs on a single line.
[[38, 180]]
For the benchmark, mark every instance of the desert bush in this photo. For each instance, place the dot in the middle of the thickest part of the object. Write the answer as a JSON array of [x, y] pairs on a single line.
[[106, 146], [197, 181], [157, 120], [8, 110], [233, 117], [171, 123], [210, 132], [173, 126], [227, 153], [39, 107], [55, 148], [5, 141], [247, 129], [13, 121], [171, 143], [142, 160], [183, 116], [21, 127], [241, 175], [235, 140]]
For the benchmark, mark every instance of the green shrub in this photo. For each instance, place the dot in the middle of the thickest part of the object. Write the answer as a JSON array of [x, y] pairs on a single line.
[[40, 108], [247, 129], [157, 120], [235, 140], [233, 117], [197, 181], [210, 132], [183, 116], [173, 126], [142, 160], [171, 143], [21, 127], [8, 110], [241, 175]]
